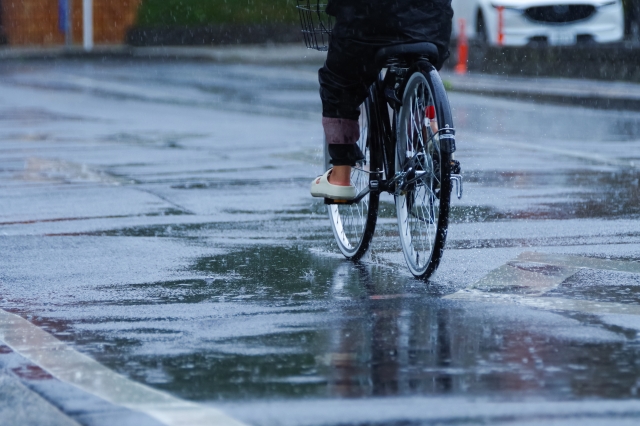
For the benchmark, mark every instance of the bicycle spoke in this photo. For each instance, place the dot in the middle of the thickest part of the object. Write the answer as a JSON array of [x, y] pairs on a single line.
[[418, 156], [352, 223]]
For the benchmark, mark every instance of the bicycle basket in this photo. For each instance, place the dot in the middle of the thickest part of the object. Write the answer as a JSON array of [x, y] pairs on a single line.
[[316, 24]]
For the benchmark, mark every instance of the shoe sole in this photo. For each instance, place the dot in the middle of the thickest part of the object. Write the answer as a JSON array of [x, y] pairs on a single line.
[[331, 197]]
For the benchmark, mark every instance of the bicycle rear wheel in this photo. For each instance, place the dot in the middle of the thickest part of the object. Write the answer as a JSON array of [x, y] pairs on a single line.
[[354, 225], [422, 197]]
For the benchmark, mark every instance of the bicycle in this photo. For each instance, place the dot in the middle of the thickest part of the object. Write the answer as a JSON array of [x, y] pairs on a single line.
[[408, 138]]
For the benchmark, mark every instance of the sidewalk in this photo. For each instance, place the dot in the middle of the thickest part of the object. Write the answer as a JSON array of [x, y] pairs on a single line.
[[265, 54], [592, 93]]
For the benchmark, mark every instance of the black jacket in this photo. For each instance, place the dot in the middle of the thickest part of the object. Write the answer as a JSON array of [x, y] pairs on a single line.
[[401, 20]]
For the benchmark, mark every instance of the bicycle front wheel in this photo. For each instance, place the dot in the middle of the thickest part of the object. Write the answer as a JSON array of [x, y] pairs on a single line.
[[423, 194], [354, 225]]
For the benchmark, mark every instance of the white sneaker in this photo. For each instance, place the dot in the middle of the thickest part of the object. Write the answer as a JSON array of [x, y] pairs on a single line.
[[320, 187]]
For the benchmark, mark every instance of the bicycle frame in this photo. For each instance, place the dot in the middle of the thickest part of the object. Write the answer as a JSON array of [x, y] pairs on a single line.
[[384, 97], [420, 173], [384, 102]]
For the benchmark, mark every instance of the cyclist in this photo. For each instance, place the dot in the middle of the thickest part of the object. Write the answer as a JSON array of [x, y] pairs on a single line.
[[362, 27]]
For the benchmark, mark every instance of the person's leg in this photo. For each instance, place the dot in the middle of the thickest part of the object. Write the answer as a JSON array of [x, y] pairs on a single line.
[[342, 135], [344, 81], [340, 175]]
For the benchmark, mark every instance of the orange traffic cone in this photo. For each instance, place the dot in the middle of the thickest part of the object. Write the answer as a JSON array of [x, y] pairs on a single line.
[[500, 25], [463, 49]]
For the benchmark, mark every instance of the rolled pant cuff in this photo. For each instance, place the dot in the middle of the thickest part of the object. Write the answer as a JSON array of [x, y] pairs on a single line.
[[341, 131]]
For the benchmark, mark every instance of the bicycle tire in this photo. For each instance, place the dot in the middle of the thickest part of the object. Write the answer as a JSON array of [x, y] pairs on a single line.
[[422, 207], [354, 225]]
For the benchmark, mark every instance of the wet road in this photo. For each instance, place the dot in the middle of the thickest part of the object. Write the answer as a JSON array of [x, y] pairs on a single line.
[[155, 217]]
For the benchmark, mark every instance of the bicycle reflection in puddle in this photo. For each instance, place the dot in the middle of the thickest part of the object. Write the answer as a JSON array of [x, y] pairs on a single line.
[[399, 340]]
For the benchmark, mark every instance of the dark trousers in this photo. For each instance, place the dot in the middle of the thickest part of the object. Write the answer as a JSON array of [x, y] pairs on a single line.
[[347, 74], [345, 79]]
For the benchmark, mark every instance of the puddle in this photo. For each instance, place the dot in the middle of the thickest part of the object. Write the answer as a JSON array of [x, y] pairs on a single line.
[[469, 214], [290, 272], [52, 170], [590, 194], [285, 322], [27, 137], [307, 226], [601, 286], [169, 231], [215, 184], [313, 158], [159, 140], [142, 231]]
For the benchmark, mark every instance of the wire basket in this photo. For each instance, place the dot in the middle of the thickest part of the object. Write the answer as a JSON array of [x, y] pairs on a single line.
[[316, 24]]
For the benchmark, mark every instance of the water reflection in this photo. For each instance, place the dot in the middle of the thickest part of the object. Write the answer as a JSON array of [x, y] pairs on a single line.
[[583, 194], [403, 341], [286, 322], [372, 351]]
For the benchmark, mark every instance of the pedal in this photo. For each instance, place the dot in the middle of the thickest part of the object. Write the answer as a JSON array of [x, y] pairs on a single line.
[[330, 201], [363, 193]]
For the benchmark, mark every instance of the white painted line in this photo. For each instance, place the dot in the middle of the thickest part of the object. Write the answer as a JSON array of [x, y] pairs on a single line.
[[24, 406], [548, 303], [70, 366], [581, 262], [522, 281], [519, 278], [440, 410]]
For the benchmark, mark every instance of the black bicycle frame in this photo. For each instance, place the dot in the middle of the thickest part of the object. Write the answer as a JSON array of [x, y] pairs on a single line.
[[384, 105], [384, 102], [383, 140]]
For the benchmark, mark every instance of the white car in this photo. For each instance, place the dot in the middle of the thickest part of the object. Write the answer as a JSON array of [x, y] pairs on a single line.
[[552, 22]]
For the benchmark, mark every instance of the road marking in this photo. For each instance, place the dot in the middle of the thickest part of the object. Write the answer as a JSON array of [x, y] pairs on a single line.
[[523, 280], [549, 303], [20, 402], [582, 262], [524, 277], [70, 366], [441, 410]]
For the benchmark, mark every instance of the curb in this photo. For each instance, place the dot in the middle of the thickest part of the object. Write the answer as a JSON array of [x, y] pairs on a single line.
[[208, 35], [251, 54]]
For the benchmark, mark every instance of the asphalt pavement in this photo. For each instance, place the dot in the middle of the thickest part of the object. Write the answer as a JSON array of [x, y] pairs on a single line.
[[163, 263], [593, 93]]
